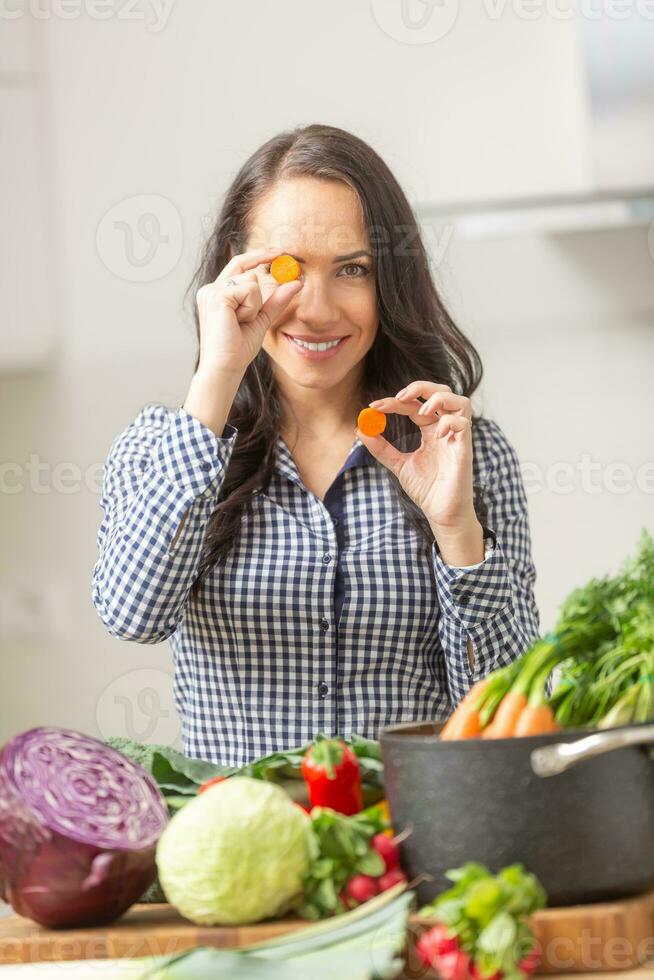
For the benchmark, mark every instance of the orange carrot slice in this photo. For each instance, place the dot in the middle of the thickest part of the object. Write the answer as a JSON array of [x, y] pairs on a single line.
[[371, 422], [285, 268]]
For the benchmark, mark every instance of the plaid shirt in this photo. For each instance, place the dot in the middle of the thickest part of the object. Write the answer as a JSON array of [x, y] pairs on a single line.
[[264, 660]]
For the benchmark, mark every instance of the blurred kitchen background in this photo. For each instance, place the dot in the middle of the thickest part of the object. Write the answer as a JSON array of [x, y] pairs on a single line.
[[523, 133]]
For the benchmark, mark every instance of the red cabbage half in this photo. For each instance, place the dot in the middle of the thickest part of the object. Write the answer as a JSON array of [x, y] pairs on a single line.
[[79, 824]]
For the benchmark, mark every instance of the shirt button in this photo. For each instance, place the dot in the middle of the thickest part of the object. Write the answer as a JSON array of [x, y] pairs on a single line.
[[323, 690], [205, 465], [463, 598], [324, 624], [327, 558]]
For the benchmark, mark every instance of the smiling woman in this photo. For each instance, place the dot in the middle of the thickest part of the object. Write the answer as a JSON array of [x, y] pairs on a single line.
[[312, 577]]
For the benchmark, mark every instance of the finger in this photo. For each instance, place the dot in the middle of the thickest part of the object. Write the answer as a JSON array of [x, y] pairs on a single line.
[[397, 407], [275, 305], [230, 294], [382, 450], [451, 424], [247, 260], [422, 389], [251, 302], [238, 278], [446, 401]]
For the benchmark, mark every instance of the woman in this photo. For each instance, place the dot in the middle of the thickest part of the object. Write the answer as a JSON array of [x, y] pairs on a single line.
[[310, 578]]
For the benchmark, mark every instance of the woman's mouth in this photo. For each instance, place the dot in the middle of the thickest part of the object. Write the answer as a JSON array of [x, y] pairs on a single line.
[[319, 351]]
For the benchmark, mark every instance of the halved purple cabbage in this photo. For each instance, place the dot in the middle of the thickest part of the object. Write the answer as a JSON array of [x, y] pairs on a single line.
[[79, 824]]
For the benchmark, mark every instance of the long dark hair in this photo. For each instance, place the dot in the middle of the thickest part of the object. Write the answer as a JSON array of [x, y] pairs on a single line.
[[416, 337]]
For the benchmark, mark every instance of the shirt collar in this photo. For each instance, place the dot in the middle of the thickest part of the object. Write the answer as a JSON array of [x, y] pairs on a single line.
[[359, 455]]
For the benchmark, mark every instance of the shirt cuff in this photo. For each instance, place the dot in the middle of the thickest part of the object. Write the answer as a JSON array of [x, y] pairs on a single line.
[[192, 456], [475, 593]]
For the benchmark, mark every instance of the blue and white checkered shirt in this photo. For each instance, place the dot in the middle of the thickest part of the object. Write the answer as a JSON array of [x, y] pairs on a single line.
[[265, 658]]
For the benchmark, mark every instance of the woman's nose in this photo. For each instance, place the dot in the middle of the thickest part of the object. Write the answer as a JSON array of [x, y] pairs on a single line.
[[315, 303]]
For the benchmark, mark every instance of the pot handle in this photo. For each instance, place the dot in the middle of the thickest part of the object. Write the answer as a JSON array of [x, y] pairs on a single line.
[[556, 758]]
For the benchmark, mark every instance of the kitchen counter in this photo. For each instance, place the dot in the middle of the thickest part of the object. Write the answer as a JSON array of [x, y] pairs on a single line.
[[630, 918]]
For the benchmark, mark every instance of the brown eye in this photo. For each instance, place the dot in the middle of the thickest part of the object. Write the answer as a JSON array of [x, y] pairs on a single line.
[[356, 270]]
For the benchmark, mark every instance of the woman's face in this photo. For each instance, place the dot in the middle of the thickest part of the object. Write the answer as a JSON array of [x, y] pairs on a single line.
[[320, 223]]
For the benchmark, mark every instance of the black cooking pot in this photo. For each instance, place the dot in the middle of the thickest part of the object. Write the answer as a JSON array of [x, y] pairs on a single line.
[[584, 825]]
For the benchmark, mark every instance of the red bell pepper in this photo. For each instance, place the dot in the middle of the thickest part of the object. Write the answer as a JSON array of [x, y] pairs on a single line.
[[331, 772]]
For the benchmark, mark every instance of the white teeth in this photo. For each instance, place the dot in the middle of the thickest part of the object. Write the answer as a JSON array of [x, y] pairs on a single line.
[[303, 343]]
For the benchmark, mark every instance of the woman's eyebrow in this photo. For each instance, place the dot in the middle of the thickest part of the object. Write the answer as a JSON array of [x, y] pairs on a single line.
[[339, 258], [352, 255]]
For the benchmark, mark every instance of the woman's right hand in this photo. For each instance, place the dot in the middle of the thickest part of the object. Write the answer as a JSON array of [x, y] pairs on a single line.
[[234, 318]]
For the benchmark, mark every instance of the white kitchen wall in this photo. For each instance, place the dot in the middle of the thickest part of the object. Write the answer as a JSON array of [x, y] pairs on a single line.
[[149, 120]]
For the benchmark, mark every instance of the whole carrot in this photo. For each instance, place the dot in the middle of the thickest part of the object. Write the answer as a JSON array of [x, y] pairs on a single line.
[[506, 717], [469, 718], [535, 668], [538, 717], [462, 717]]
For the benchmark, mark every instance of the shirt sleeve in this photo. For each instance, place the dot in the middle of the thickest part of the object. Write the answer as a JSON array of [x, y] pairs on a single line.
[[166, 467], [492, 603]]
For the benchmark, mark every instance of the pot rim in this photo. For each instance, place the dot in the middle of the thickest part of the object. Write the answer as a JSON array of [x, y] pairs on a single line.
[[401, 734]]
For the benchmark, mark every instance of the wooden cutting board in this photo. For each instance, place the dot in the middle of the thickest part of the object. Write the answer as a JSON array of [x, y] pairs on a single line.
[[605, 936], [581, 938]]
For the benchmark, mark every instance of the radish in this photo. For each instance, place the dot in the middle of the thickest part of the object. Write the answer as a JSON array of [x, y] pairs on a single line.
[[362, 888], [454, 966], [391, 878], [437, 942], [387, 850], [529, 962]]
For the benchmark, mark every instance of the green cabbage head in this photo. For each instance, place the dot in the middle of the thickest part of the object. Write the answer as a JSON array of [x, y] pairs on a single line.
[[236, 853]]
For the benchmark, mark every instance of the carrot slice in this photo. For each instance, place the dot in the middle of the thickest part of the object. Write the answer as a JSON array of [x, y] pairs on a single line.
[[285, 268], [371, 422]]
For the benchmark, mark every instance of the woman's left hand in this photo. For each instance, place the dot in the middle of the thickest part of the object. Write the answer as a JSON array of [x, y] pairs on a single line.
[[438, 475]]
